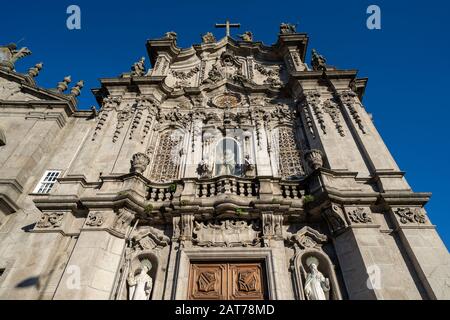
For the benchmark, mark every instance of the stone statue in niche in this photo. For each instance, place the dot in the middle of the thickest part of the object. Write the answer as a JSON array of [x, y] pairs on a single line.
[[227, 157], [317, 287], [229, 162], [203, 169], [249, 166], [140, 286]]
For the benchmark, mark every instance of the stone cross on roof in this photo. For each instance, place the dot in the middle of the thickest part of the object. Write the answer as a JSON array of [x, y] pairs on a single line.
[[228, 25]]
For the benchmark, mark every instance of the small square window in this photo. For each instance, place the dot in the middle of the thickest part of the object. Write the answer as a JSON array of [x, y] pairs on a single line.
[[48, 180]]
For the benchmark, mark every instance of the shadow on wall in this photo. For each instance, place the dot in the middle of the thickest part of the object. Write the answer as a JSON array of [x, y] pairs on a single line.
[[30, 282]]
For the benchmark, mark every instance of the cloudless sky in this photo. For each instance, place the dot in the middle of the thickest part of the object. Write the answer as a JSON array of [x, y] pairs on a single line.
[[407, 61]]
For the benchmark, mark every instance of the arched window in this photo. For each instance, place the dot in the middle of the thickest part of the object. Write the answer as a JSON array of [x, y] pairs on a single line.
[[289, 157], [166, 161]]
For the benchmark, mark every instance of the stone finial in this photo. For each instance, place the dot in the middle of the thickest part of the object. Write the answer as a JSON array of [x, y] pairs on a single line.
[[318, 62], [9, 55], [139, 162], [77, 89], [34, 71], [171, 35], [63, 85], [314, 158], [246, 36], [287, 28], [208, 38], [138, 68]]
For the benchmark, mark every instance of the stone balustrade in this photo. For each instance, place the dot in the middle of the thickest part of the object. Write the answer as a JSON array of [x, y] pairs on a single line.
[[291, 190], [161, 192], [227, 185]]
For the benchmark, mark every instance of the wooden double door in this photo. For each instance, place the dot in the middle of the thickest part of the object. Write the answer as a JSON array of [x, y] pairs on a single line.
[[227, 281]]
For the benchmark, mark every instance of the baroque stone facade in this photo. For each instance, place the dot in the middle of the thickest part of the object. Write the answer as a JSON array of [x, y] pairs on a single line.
[[229, 170]]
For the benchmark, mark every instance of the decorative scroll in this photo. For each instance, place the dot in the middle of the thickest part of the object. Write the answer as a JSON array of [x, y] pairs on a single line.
[[332, 108], [348, 99], [411, 215], [95, 219], [182, 75], [360, 215], [109, 103], [50, 220], [226, 234], [313, 99]]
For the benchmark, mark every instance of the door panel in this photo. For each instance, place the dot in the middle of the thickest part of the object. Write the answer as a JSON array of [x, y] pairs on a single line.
[[208, 282], [227, 281], [246, 282]]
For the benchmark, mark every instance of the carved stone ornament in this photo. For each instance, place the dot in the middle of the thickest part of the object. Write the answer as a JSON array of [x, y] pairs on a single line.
[[272, 227], [411, 215], [246, 36], [183, 75], [359, 215], [123, 221], [287, 28], [50, 220], [109, 103], [273, 75], [171, 35], [203, 170], [318, 61], [150, 238], [314, 158], [139, 162], [307, 238], [228, 233], [9, 55], [34, 71], [334, 217], [95, 219], [332, 108], [226, 100], [208, 38], [64, 85], [138, 68], [350, 99]]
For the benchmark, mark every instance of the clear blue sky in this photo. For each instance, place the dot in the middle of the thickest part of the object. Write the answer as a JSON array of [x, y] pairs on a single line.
[[407, 61]]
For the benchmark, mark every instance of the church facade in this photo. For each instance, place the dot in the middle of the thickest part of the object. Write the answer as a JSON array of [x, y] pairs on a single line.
[[229, 170]]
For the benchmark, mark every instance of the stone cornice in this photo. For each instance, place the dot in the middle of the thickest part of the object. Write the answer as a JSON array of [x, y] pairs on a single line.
[[46, 96]]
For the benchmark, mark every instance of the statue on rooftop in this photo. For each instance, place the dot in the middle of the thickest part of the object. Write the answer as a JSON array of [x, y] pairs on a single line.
[[247, 36], [171, 35], [318, 62], [138, 68], [9, 55], [208, 38], [287, 28]]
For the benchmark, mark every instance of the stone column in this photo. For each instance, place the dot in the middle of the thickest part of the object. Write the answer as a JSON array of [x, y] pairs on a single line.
[[92, 267], [425, 248], [371, 261]]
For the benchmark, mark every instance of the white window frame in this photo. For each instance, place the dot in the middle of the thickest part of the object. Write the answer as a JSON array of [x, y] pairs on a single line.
[[47, 182]]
